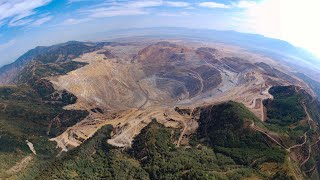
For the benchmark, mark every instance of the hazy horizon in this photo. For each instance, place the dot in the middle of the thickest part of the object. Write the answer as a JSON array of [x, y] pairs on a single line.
[[25, 25]]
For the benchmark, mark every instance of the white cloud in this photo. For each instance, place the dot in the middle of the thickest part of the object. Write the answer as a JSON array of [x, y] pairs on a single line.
[[41, 21], [118, 9], [17, 10], [20, 22], [22, 15], [156, 3], [176, 14], [145, 4], [177, 4], [126, 8], [114, 11], [213, 5], [73, 21]]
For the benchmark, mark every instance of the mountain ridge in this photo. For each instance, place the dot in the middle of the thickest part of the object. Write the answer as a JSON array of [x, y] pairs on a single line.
[[8, 72]]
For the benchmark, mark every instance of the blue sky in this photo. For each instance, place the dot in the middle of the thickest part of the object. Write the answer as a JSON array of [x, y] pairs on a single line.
[[25, 24]]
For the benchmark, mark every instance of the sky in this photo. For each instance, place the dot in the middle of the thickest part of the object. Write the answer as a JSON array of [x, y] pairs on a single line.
[[25, 24]]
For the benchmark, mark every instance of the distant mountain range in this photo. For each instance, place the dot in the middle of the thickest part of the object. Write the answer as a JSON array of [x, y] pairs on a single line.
[[301, 60]]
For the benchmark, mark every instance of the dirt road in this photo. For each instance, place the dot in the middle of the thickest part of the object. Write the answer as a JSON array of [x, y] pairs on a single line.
[[265, 133]]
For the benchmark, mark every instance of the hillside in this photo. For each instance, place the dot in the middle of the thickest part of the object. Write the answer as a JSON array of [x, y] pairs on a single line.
[[154, 155]]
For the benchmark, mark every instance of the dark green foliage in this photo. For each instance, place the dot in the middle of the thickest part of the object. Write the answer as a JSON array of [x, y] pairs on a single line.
[[153, 147], [285, 113], [286, 107], [10, 144], [224, 125], [24, 115], [94, 159], [253, 157], [155, 138], [64, 120], [45, 90], [227, 128]]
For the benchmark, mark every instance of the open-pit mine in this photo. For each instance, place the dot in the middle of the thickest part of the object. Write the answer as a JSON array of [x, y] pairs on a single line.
[[129, 84]]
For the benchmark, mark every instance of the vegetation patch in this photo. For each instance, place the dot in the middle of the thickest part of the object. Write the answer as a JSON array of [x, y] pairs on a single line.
[[286, 107]]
